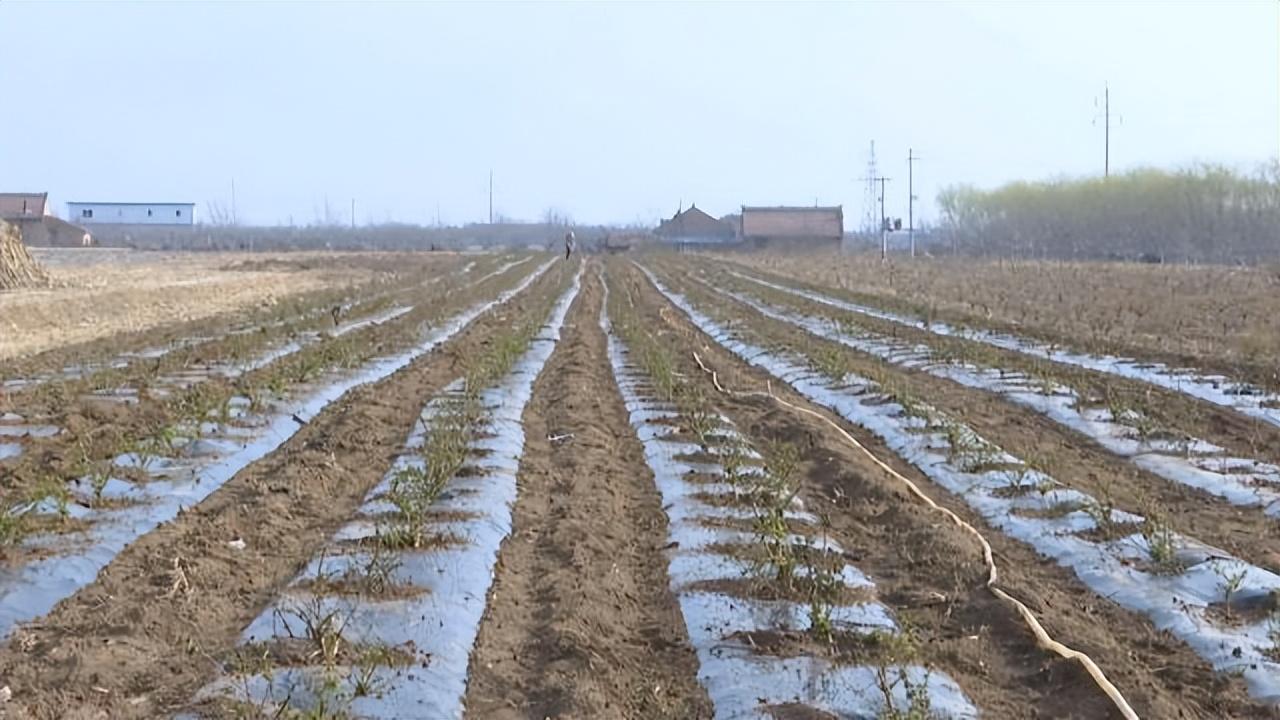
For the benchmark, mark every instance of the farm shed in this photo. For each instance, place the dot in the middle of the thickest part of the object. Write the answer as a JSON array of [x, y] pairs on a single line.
[[30, 213], [132, 213], [791, 226]]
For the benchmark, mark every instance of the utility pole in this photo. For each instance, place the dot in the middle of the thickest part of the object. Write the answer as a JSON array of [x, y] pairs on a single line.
[[911, 198], [1106, 128], [490, 197], [884, 231], [234, 221], [353, 213]]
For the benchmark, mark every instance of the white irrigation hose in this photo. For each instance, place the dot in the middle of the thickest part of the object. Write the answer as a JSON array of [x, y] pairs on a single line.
[[1042, 637]]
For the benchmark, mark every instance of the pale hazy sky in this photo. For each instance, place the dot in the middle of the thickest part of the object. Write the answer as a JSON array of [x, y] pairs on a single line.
[[613, 112]]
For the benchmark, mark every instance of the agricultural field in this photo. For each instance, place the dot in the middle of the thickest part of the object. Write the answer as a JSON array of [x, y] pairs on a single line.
[[97, 294], [1212, 317], [638, 486]]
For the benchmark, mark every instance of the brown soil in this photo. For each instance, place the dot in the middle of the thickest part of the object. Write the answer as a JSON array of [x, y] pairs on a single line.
[[972, 636], [795, 711], [1242, 611], [580, 622], [1071, 458], [121, 647], [844, 647], [797, 590]]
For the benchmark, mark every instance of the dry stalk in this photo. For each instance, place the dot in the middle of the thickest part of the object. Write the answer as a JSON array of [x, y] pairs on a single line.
[[180, 585]]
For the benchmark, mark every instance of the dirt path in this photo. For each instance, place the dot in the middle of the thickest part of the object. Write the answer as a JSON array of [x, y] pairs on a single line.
[[931, 574], [157, 622], [581, 622]]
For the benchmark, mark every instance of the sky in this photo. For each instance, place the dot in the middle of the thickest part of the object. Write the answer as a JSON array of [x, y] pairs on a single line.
[[614, 112]]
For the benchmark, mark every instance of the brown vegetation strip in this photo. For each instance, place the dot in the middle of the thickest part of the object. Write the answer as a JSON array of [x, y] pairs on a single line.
[[580, 621], [1068, 456], [128, 647], [930, 573]]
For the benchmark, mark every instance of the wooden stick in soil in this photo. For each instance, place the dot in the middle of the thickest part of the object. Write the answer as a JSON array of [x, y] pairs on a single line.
[[1043, 639]]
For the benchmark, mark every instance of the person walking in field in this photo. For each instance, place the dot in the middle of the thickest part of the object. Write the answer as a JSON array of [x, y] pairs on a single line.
[[568, 244]]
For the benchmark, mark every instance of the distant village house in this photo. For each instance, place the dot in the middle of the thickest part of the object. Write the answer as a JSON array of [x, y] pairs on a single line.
[[30, 213], [792, 226], [694, 227], [132, 213]]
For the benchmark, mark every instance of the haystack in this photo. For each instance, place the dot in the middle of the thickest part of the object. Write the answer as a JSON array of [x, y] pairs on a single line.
[[17, 268]]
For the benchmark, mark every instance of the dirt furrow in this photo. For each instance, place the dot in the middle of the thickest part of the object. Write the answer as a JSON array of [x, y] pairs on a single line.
[[158, 621], [580, 621], [931, 575]]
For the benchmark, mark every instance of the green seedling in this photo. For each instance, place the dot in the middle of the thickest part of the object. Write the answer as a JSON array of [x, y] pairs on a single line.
[[54, 489], [823, 590], [733, 458], [1102, 511], [1162, 545], [771, 497], [1231, 579], [919, 702], [363, 678], [830, 362], [12, 527]]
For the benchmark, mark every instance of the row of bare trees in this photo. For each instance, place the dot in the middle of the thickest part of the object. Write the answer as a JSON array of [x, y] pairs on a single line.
[[1204, 214]]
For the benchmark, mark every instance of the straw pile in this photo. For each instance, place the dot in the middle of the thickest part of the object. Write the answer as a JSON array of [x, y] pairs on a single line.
[[17, 268]]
